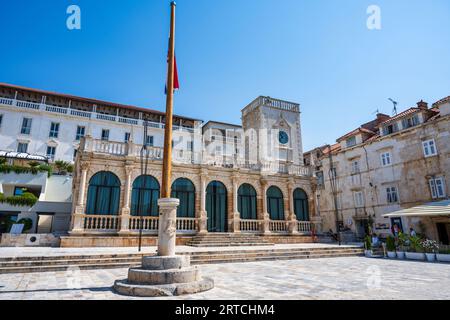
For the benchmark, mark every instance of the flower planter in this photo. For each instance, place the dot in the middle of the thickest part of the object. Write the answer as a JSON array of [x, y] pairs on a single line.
[[392, 254], [401, 255], [415, 256], [443, 257], [431, 257]]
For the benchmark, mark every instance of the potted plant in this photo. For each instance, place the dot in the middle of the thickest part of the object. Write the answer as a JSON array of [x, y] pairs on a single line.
[[430, 247], [368, 245], [402, 243], [415, 251], [390, 246], [443, 255]]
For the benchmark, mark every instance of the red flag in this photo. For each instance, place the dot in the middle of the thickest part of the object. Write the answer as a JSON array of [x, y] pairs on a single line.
[[176, 83]]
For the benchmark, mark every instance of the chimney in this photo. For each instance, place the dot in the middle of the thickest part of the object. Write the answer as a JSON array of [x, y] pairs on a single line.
[[422, 105]]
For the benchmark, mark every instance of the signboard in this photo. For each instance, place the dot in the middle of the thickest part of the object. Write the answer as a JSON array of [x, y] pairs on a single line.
[[17, 228]]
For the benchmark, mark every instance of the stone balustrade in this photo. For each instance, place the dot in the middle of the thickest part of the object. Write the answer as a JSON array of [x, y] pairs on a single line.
[[278, 226], [101, 223], [250, 225], [187, 224], [85, 114], [189, 157]]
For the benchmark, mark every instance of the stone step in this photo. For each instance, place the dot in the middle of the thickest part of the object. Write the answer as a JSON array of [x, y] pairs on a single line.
[[137, 258], [59, 264], [194, 261]]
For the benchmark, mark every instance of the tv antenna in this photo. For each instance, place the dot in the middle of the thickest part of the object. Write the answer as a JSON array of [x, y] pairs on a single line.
[[395, 103]]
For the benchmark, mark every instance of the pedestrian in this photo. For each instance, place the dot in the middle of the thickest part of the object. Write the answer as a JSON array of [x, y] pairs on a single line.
[[412, 232]]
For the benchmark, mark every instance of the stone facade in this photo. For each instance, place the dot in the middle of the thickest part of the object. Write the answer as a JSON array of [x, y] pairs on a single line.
[[386, 165], [283, 170]]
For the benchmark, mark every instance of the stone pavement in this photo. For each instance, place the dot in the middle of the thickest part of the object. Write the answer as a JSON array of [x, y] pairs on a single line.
[[336, 278]]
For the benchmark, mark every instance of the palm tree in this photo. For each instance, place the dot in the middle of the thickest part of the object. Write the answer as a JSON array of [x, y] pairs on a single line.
[[62, 166]]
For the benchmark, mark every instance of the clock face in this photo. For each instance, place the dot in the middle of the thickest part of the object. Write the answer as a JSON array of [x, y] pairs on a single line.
[[283, 137]]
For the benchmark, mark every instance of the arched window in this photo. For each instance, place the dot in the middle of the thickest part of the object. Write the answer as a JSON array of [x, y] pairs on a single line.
[[216, 207], [301, 207], [103, 194], [247, 202], [184, 190], [144, 197], [275, 205]]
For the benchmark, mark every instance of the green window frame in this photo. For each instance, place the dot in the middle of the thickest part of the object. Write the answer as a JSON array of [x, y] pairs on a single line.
[[247, 202], [275, 203], [144, 196], [184, 190], [103, 194], [301, 206]]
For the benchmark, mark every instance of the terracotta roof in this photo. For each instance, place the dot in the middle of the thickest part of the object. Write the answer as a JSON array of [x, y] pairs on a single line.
[[92, 101], [405, 113], [355, 132], [444, 100]]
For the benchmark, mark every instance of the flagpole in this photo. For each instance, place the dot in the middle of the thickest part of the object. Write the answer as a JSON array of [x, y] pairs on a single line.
[[167, 161]]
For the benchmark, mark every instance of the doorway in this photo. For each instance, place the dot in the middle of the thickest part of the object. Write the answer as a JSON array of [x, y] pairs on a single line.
[[44, 223], [362, 228], [443, 233], [216, 207]]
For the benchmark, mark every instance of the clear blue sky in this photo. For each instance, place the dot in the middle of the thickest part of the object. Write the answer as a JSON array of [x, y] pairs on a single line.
[[318, 53]]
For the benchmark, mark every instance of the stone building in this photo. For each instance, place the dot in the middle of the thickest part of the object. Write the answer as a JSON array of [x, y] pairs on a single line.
[[386, 165], [229, 178]]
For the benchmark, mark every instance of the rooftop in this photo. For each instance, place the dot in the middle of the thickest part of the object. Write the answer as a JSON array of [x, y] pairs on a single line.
[[89, 100]]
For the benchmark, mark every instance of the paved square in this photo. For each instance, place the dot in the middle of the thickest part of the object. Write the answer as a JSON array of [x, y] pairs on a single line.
[[335, 278]]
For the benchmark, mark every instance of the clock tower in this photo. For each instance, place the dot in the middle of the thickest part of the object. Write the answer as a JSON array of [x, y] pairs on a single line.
[[272, 132]]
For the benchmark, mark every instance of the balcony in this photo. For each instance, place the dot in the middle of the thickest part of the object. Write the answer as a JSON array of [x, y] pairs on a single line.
[[42, 107], [190, 157]]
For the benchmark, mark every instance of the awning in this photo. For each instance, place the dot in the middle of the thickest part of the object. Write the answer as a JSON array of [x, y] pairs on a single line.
[[432, 209], [21, 155]]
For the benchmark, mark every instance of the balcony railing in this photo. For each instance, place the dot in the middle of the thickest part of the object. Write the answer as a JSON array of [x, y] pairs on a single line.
[[151, 224], [188, 157], [101, 223], [148, 223], [85, 114], [304, 226], [250, 225], [278, 226]]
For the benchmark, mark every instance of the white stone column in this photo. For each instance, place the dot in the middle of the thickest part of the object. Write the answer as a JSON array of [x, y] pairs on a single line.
[[79, 212], [236, 214], [125, 212], [292, 218], [266, 223], [203, 228], [167, 226]]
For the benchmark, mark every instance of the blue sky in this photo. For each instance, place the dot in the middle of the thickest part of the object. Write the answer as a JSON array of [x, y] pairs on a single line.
[[318, 53]]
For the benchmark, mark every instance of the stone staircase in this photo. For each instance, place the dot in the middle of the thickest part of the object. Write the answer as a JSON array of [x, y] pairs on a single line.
[[228, 240], [111, 261]]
